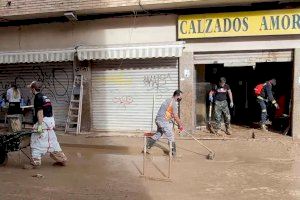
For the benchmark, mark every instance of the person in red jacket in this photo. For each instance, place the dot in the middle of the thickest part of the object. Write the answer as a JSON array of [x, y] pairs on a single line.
[[266, 95]]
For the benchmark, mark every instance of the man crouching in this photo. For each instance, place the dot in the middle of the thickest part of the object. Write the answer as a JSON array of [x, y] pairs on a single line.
[[44, 140]]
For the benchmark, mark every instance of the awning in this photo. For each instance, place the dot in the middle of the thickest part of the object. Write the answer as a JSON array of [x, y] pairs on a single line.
[[37, 56], [133, 51]]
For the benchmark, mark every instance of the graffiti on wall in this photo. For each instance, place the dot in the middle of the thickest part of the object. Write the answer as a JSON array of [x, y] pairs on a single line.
[[5, 84], [56, 82], [157, 82], [123, 100]]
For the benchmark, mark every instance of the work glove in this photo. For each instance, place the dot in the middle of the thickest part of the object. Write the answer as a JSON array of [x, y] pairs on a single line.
[[231, 105], [276, 106], [210, 98], [181, 128], [40, 128]]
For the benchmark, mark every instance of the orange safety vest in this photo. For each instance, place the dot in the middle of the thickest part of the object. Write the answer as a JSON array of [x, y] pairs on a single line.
[[169, 112]]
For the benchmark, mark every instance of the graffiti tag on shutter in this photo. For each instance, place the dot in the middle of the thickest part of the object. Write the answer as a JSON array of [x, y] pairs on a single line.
[[52, 84], [157, 82], [123, 100]]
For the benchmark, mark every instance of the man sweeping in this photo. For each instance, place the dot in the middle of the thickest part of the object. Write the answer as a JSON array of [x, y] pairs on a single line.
[[168, 111], [44, 140], [219, 96]]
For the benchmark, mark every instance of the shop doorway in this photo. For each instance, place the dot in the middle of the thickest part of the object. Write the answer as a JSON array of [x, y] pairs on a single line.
[[242, 80]]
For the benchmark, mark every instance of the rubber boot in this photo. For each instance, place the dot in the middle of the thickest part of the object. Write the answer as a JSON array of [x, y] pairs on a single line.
[[227, 131], [150, 142], [268, 122], [173, 149], [264, 128]]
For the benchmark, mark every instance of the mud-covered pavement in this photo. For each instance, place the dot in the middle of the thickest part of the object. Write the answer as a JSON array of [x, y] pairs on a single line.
[[110, 167]]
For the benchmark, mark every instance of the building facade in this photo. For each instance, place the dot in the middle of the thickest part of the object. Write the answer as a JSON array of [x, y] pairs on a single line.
[[125, 63], [133, 55], [247, 48]]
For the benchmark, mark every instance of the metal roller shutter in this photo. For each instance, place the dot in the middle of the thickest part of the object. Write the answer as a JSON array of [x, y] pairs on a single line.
[[122, 92], [56, 77], [246, 58]]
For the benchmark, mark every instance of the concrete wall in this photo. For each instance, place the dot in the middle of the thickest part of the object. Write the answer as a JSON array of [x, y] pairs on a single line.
[[84, 68], [296, 96], [201, 95], [187, 86], [96, 32]]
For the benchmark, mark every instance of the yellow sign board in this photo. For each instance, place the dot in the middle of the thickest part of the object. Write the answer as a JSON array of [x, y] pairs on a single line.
[[272, 22]]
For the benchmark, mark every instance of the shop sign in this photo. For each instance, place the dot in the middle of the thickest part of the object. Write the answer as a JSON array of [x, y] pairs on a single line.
[[272, 22]]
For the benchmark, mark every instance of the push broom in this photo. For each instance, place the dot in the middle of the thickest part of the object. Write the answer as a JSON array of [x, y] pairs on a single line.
[[211, 154]]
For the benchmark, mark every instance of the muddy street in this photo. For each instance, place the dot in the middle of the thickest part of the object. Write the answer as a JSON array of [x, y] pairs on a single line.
[[110, 168]]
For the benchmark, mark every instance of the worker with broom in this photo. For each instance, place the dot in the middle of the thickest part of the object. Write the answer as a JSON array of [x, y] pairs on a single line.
[[219, 96], [167, 112], [44, 140]]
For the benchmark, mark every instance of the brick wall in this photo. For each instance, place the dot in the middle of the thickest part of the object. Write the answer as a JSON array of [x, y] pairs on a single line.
[[31, 7], [36, 8]]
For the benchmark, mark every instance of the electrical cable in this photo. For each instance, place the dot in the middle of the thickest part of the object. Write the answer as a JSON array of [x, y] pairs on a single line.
[[132, 27], [130, 32], [143, 9]]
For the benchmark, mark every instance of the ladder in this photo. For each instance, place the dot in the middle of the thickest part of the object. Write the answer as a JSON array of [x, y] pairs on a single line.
[[75, 108]]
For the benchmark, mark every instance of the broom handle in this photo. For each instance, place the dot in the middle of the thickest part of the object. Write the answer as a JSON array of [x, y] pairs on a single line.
[[208, 149], [144, 155], [210, 111], [199, 142], [170, 159], [153, 105]]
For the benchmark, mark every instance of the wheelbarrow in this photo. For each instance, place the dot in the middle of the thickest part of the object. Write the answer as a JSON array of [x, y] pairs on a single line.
[[13, 142]]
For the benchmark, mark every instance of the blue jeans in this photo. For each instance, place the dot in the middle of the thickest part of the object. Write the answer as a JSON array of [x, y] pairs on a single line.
[[166, 128], [264, 113]]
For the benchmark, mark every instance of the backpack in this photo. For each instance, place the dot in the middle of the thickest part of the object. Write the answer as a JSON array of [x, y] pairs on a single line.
[[258, 89]]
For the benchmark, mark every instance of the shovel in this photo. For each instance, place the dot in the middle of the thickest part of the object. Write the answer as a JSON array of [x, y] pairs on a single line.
[[209, 126]]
